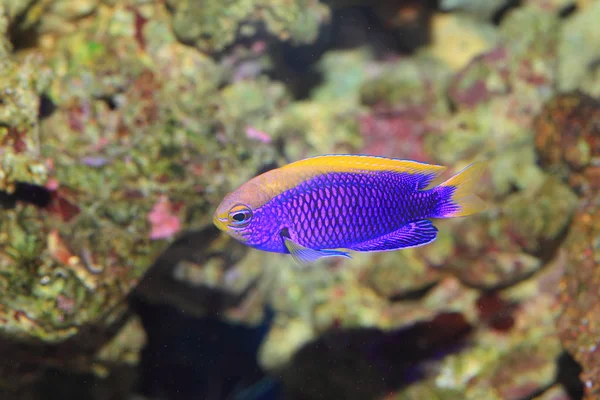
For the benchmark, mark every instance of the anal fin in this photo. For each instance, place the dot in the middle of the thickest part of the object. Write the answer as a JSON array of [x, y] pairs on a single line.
[[306, 256], [413, 234]]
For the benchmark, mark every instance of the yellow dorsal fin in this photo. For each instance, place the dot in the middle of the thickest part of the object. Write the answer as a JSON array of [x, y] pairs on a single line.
[[363, 163], [277, 181]]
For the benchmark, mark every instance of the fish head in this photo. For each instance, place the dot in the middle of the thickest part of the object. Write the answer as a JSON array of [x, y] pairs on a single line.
[[234, 218], [241, 215]]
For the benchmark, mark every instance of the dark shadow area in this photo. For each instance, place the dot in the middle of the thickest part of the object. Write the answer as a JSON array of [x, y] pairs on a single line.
[[47, 106], [35, 371], [160, 285], [416, 294], [192, 353], [496, 312], [367, 363], [59, 385], [23, 38], [568, 376], [27, 193], [504, 10], [568, 10], [201, 358]]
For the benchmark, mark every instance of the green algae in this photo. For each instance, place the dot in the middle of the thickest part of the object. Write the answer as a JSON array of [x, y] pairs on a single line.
[[211, 25], [326, 122], [577, 51], [20, 86], [412, 82]]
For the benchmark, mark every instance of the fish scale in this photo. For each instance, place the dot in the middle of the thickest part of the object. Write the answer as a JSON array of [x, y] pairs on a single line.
[[327, 200]]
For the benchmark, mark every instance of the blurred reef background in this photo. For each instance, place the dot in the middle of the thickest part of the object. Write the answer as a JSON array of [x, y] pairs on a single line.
[[123, 123]]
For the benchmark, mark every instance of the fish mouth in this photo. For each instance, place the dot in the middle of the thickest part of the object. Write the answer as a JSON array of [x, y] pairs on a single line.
[[220, 223], [223, 224]]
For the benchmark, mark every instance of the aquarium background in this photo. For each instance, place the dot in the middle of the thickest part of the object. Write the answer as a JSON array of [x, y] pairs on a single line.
[[124, 123]]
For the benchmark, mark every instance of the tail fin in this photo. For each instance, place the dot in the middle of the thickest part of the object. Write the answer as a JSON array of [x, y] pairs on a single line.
[[456, 194]]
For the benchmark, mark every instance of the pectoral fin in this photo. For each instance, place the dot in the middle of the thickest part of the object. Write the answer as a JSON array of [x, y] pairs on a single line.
[[305, 256]]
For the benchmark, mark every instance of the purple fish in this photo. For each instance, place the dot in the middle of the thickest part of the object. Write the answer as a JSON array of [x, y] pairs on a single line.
[[312, 207]]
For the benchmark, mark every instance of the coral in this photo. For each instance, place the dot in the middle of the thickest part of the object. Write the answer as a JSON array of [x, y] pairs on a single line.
[[211, 25], [578, 51], [325, 122], [400, 275], [457, 39], [407, 83], [124, 123], [124, 348], [567, 132], [20, 86], [506, 261], [51, 16], [127, 162], [577, 325], [285, 338], [498, 95], [344, 72], [556, 392], [403, 99], [510, 242], [311, 128], [522, 60], [14, 8], [481, 9], [505, 357], [487, 76], [502, 358]]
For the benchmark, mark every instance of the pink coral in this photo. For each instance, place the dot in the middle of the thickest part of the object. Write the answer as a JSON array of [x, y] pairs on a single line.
[[257, 134], [164, 222], [470, 87], [397, 133]]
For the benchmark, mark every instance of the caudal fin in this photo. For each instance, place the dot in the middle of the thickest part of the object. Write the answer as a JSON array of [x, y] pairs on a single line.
[[456, 194]]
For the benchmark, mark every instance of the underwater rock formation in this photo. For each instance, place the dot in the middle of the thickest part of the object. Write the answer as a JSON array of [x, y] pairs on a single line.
[[578, 51], [124, 123], [20, 87], [93, 192], [568, 139], [497, 97], [515, 238], [567, 142], [578, 321], [211, 26], [507, 260]]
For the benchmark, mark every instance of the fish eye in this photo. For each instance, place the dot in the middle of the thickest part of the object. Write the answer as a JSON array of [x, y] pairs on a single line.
[[240, 215]]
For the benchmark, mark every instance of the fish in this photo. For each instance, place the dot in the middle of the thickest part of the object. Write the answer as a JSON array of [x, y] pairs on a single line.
[[326, 206]]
